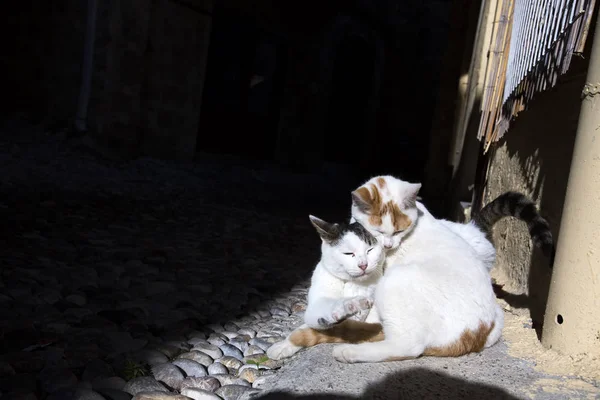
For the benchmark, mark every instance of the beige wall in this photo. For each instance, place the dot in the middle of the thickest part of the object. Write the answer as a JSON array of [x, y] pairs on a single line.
[[534, 158]]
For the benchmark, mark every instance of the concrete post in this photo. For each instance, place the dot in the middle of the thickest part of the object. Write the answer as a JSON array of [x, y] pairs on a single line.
[[572, 319]]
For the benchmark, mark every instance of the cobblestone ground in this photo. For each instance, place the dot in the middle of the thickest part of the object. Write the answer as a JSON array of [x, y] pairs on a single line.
[[146, 279]]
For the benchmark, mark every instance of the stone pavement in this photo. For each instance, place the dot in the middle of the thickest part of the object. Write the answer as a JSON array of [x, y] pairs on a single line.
[[492, 374], [153, 280], [121, 278]]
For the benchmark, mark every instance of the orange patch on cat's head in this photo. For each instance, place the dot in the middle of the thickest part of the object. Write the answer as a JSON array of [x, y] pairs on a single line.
[[368, 200], [400, 221]]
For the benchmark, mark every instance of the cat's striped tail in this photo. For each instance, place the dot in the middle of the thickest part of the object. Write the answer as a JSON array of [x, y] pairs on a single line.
[[517, 205]]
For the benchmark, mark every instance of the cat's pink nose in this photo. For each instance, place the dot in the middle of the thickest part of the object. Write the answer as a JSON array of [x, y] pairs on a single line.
[[363, 266], [388, 245]]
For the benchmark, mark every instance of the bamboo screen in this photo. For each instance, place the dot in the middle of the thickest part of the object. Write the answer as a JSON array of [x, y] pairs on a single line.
[[532, 45]]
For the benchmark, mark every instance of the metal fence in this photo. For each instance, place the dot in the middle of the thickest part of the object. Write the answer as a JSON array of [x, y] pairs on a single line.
[[533, 42]]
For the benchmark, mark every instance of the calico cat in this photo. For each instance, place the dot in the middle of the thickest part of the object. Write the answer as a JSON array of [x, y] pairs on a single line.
[[384, 213], [387, 207], [343, 282]]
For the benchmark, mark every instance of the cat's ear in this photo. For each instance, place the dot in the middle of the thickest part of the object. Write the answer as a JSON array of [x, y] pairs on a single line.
[[412, 194], [362, 200], [327, 231]]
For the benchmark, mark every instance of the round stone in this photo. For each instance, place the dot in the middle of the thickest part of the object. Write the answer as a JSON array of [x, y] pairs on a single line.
[[240, 344], [150, 357], [215, 341], [261, 343], [263, 361], [232, 392], [209, 349], [216, 335], [190, 367], [229, 334], [199, 394], [160, 396], [252, 350], [216, 327], [182, 345], [196, 341], [207, 383], [198, 356], [196, 335], [230, 326], [168, 374], [167, 349], [249, 374], [247, 332], [298, 307], [231, 351], [217, 368], [278, 311], [231, 363], [228, 379], [144, 384], [272, 339]]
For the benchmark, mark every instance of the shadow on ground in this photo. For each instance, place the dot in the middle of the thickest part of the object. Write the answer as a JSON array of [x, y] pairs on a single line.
[[417, 383], [100, 259]]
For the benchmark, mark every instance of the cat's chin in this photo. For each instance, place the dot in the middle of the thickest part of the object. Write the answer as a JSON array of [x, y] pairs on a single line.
[[393, 249], [360, 277]]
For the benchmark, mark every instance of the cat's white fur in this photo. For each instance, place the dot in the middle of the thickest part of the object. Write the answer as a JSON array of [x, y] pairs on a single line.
[[437, 286], [339, 288], [397, 191]]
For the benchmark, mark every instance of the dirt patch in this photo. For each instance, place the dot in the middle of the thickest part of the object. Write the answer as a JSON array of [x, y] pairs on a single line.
[[583, 370]]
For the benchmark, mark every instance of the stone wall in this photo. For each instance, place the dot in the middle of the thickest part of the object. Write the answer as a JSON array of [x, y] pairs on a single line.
[[534, 158]]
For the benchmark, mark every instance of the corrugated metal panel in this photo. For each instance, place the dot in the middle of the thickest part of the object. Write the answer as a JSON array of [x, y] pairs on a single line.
[[533, 45]]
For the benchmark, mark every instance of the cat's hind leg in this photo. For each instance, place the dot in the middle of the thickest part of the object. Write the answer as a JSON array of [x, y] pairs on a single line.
[[397, 344], [387, 350], [496, 330]]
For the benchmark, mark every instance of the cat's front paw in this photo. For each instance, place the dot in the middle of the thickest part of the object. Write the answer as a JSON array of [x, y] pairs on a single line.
[[356, 304], [346, 308]]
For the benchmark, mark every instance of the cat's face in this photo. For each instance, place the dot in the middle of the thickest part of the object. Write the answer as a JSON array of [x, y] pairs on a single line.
[[349, 251], [386, 207]]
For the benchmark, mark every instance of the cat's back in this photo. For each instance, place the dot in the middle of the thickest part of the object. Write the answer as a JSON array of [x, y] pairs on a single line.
[[440, 251]]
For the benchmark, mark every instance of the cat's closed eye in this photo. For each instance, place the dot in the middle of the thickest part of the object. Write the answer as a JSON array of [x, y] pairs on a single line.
[[349, 254], [368, 251], [397, 232]]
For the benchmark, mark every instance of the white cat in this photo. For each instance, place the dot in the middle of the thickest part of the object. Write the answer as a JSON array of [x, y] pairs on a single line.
[[442, 264], [383, 204], [436, 296], [343, 282]]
